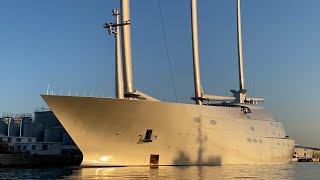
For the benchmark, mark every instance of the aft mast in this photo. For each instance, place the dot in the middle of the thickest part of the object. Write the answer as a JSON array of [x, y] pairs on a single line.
[[195, 48], [240, 95], [240, 60], [242, 92]]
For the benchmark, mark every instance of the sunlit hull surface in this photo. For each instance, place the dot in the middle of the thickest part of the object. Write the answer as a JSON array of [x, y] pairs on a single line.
[[111, 132]]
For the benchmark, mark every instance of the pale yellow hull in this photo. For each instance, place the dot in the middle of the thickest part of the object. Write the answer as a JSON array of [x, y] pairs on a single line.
[[110, 132]]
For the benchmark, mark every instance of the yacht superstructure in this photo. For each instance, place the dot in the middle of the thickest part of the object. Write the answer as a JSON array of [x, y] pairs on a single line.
[[137, 129]]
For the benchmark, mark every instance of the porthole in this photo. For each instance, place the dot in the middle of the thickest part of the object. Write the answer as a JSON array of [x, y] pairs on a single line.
[[252, 128], [196, 120], [213, 122], [260, 141], [255, 140], [249, 139]]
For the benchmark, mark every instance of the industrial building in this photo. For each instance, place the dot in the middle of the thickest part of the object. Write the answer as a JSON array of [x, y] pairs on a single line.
[[45, 127], [36, 141], [304, 153]]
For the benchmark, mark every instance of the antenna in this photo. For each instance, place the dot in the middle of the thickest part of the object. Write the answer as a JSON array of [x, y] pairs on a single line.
[[253, 87], [48, 89]]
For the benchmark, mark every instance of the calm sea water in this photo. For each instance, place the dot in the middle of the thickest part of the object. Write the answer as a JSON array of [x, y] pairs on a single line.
[[289, 171]]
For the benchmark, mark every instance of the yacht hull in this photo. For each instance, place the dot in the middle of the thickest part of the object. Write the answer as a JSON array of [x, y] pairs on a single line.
[[111, 132]]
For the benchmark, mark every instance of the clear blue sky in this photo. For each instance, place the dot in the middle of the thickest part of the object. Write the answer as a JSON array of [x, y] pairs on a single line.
[[62, 43]]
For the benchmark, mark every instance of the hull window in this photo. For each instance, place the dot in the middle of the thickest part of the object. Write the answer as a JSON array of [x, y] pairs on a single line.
[[213, 122], [196, 120]]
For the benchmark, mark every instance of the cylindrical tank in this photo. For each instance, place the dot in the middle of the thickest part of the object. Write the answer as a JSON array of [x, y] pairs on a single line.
[[24, 121], [67, 140], [3, 128], [35, 130], [47, 118], [14, 129], [54, 134]]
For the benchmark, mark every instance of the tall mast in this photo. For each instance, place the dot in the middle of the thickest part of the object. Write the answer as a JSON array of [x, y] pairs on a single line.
[[240, 61], [195, 48], [126, 45], [118, 64]]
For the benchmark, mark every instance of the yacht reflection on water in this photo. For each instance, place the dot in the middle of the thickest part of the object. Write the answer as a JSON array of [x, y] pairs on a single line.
[[287, 171], [284, 171]]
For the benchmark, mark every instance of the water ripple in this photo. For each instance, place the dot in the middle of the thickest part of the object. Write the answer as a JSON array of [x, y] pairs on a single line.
[[289, 171]]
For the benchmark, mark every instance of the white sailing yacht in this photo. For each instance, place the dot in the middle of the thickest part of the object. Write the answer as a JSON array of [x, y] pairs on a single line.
[[137, 129]]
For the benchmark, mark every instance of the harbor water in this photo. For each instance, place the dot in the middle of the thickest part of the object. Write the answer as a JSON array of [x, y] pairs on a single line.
[[288, 171]]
